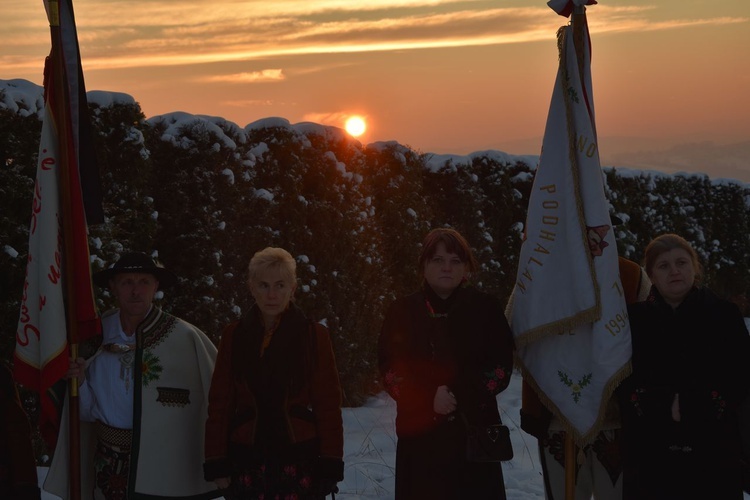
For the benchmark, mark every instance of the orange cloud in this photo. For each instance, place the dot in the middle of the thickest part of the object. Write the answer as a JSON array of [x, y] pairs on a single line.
[[266, 75], [188, 32]]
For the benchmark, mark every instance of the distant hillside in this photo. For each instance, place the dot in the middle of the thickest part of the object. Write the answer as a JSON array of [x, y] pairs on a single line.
[[723, 161]]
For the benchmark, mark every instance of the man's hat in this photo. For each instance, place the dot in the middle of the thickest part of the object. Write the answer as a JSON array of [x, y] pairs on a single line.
[[136, 262]]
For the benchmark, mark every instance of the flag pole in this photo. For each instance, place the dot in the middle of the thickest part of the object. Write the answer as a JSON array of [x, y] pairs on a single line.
[[570, 466], [74, 433], [64, 130], [578, 21]]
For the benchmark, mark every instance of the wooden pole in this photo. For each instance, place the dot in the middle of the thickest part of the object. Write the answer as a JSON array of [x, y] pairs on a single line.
[[578, 22], [75, 433], [570, 467], [60, 93]]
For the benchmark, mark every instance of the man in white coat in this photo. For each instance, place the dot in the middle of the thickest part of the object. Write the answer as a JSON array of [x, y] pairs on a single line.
[[144, 394]]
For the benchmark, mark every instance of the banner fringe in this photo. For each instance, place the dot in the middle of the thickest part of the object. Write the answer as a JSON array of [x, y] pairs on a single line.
[[607, 393]]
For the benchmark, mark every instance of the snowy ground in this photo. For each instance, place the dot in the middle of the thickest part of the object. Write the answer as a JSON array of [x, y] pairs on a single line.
[[370, 451]]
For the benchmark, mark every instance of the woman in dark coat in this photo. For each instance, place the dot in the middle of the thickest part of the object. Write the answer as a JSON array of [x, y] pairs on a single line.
[[691, 355], [445, 352], [274, 426]]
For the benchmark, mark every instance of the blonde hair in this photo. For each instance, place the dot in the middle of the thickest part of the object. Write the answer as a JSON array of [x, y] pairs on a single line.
[[665, 243], [272, 258]]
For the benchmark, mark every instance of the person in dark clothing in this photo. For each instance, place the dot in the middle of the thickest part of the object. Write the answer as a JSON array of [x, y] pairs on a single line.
[[680, 405], [735, 291], [18, 479], [745, 433], [445, 353], [274, 428]]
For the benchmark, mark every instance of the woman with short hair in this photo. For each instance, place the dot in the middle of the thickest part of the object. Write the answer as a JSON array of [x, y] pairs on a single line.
[[274, 426], [691, 360], [445, 352]]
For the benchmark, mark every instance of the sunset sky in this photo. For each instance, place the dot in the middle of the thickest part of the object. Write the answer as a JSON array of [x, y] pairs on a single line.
[[442, 76]]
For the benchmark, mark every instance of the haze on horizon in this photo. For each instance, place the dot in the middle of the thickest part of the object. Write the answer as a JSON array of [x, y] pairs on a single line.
[[670, 78]]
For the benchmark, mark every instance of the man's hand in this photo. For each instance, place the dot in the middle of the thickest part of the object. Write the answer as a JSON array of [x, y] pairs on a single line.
[[222, 482], [676, 408], [77, 368], [444, 402]]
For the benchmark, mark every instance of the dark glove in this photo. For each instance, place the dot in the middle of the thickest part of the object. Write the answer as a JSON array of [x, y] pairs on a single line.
[[216, 468], [27, 492], [327, 472]]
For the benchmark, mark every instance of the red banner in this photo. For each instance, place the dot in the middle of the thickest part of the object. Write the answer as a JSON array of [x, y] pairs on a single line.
[[58, 302]]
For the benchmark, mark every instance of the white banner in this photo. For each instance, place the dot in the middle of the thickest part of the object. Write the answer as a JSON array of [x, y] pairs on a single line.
[[42, 307], [568, 310]]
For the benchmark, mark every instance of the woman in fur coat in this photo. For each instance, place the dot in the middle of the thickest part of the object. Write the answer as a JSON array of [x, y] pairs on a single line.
[[445, 352], [274, 426], [691, 361]]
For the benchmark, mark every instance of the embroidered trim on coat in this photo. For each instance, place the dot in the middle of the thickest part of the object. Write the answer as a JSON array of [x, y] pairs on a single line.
[[171, 396], [156, 329]]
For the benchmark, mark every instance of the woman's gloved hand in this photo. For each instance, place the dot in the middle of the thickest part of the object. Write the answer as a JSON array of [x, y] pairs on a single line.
[[328, 471]]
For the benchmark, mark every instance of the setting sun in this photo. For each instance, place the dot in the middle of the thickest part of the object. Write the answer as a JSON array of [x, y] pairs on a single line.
[[355, 126]]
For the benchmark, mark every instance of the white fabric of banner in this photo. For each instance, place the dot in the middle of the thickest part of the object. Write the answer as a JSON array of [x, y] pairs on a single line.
[[568, 311], [42, 307]]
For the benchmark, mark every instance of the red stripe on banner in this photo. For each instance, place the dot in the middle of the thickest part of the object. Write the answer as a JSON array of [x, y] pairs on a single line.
[[58, 306], [43, 381], [71, 114], [76, 238]]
